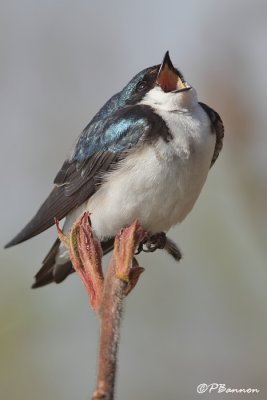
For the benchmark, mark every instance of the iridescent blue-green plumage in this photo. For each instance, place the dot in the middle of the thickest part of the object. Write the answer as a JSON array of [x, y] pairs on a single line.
[[115, 134], [112, 130], [119, 99]]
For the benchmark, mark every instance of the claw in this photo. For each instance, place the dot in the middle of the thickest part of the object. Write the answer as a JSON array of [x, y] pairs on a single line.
[[159, 241]]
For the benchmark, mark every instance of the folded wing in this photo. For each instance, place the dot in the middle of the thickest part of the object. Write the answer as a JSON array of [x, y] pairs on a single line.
[[99, 149]]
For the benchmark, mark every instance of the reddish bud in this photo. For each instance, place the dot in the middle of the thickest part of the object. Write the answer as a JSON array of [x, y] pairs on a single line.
[[85, 254], [125, 246]]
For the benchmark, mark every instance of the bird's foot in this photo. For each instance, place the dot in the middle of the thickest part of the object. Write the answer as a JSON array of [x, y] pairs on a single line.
[[159, 241], [152, 243]]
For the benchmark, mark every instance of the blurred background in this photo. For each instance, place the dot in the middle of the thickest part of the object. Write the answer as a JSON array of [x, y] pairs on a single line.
[[203, 320]]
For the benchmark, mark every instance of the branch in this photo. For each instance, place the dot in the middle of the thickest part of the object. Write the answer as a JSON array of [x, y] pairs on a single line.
[[110, 318], [106, 294]]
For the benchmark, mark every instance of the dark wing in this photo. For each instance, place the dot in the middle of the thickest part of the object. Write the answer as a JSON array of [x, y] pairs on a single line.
[[218, 129], [98, 150], [64, 198]]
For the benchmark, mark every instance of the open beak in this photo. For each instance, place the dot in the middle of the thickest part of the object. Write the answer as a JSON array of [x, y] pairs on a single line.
[[168, 77]]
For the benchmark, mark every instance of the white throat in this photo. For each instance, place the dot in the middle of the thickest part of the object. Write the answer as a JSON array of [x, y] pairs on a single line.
[[183, 101]]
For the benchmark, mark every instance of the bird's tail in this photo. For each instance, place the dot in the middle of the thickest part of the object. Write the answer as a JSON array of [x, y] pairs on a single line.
[[51, 271]]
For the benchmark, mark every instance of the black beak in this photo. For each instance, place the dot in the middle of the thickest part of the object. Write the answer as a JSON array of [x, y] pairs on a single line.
[[169, 78]]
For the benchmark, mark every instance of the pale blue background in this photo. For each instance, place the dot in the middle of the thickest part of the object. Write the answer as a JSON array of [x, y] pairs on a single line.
[[204, 320]]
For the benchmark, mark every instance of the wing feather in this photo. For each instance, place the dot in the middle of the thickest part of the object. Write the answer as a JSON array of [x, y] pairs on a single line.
[[218, 129], [97, 151]]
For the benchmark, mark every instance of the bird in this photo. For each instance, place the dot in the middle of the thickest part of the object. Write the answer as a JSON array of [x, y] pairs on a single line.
[[145, 155]]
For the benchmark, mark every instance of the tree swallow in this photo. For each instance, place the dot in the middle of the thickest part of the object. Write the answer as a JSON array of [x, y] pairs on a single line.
[[145, 155]]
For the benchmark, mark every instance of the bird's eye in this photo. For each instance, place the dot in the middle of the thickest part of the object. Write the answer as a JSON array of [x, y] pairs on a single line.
[[141, 86]]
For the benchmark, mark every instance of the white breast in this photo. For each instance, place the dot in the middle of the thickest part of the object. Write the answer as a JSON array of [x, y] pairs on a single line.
[[160, 184]]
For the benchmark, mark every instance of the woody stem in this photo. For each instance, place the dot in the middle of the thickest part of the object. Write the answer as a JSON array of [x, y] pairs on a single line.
[[110, 318]]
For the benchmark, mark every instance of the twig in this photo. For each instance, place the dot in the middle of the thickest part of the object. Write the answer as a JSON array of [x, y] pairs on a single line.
[[110, 318], [106, 294]]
